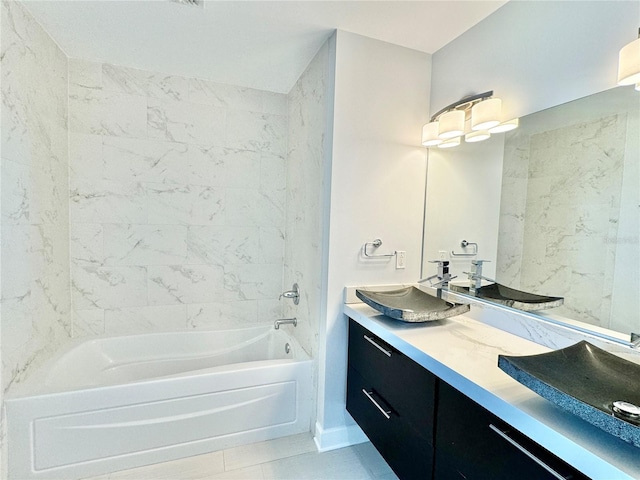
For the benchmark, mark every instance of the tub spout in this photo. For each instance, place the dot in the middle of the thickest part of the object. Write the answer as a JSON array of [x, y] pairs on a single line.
[[284, 321]]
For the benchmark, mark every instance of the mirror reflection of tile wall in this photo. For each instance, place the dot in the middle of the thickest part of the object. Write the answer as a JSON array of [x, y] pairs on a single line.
[[569, 208]]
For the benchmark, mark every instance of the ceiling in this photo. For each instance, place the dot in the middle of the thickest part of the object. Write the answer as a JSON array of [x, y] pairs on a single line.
[[258, 44]]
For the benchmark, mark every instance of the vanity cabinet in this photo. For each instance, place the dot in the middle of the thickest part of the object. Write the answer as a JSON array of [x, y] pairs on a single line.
[[424, 428], [392, 398], [472, 443]]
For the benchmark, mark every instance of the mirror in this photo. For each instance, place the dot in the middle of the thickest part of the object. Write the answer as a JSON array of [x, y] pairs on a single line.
[[568, 218], [569, 208]]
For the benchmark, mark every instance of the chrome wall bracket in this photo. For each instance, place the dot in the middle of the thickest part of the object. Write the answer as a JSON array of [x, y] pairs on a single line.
[[465, 244], [375, 244]]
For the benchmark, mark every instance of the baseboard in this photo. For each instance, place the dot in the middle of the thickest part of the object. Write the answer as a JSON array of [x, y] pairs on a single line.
[[338, 437]]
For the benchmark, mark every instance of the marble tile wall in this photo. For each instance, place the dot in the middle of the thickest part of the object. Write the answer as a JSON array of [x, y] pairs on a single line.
[[177, 201], [305, 203], [34, 243], [561, 203]]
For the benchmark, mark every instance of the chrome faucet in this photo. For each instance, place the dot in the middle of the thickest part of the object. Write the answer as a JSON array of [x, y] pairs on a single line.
[[285, 321], [475, 276], [443, 274], [294, 294]]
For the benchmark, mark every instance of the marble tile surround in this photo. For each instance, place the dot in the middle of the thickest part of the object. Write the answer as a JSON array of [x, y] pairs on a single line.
[[36, 318], [575, 193], [306, 182], [177, 200]]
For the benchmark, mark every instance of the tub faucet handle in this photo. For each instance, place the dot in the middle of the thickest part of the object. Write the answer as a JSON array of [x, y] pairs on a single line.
[[294, 294]]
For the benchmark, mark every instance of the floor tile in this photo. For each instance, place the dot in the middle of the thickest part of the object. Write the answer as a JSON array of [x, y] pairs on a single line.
[[374, 461], [190, 468], [248, 473], [262, 452], [342, 464]]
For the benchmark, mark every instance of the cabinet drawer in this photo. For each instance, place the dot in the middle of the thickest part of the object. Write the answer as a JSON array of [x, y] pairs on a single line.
[[409, 455], [472, 443], [407, 386]]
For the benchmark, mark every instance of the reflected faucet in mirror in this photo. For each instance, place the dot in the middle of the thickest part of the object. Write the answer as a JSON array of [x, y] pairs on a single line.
[[475, 276], [443, 274]]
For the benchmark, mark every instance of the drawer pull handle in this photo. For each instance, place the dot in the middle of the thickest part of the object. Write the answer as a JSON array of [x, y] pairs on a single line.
[[527, 452], [378, 406], [372, 342]]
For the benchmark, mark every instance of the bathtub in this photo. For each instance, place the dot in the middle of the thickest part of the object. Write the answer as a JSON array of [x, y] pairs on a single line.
[[113, 403]]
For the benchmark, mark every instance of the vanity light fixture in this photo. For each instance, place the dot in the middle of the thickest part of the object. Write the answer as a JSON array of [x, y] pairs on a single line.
[[629, 64], [482, 113]]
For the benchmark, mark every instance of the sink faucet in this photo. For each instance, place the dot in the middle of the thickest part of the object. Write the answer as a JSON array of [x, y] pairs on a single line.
[[443, 274], [475, 276]]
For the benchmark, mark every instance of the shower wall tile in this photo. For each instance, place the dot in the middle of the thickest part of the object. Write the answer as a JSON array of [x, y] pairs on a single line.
[[189, 210], [186, 122], [252, 282], [185, 284], [149, 319], [108, 287], [254, 207], [83, 73], [108, 202], [139, 82], [307, 117], [219, 315], [35, 296], [223, 245], [127, 160], [88, 323], [255, 131], [186, 204], [144, 244], [103, 112]]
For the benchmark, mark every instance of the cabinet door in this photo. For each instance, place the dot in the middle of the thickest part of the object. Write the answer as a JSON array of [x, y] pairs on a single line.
[[407, 386], [471, 443], [408, 454]]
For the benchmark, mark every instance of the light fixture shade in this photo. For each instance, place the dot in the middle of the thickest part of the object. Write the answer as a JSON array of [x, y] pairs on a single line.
[[452, 142], [505, 126], [629, 64], [430, 135], [478, 136], [486, 114], [451, 124]]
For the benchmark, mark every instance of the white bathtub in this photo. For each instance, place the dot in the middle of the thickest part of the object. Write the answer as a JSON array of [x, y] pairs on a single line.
[[115, 403]]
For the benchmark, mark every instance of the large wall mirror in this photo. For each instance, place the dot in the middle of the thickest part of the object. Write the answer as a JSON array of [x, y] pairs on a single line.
[[568, 214]]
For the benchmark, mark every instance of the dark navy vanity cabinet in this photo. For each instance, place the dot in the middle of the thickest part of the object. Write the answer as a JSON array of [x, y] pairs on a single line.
[[392, 398], [425, 429], [472, 443]]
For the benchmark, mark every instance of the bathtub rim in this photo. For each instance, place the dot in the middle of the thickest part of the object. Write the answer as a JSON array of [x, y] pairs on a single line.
[[35, 386]]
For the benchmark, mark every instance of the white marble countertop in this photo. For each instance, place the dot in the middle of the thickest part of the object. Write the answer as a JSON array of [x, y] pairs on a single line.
[[464, 353]]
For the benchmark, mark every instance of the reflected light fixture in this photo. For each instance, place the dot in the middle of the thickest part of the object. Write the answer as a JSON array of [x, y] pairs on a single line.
[[629, 64], [430, 135], [475, 117]]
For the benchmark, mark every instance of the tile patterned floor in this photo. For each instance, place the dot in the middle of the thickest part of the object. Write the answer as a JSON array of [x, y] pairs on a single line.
[[287, 458]]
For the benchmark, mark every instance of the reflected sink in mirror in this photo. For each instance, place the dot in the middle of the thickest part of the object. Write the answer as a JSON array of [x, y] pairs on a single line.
[[410, 304], [593, 384], [510, 297]]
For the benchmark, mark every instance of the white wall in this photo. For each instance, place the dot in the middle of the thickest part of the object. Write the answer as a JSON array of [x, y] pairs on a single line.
[[536, 54], [533, 55], [377, 191]]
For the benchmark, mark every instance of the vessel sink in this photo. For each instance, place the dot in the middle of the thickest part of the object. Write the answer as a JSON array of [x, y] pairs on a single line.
[[529, 302], [410, 304], [589, 382]]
